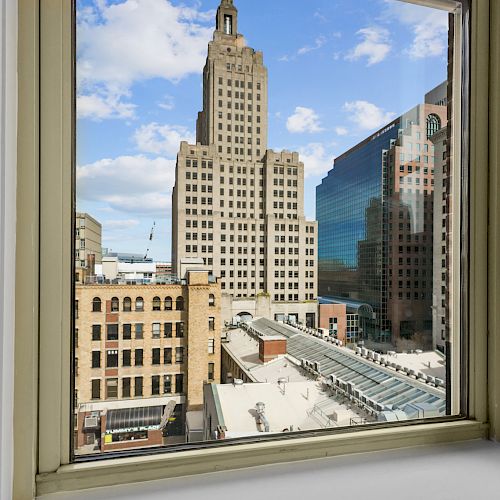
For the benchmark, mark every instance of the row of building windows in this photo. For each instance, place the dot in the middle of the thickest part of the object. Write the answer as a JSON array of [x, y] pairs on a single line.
[[203, 188], [194, 176], [238, 83], [292, 297], [112, 356], [168, 304], [112, 331], [194, 200], [111, 386], [239, 151], [194, 163]]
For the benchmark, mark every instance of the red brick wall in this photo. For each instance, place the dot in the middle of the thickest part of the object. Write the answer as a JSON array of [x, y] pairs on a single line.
[[270, 349], [327, 311]]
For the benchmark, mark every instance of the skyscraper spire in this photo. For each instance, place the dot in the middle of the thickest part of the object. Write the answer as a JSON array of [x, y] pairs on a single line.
[[227, 18]]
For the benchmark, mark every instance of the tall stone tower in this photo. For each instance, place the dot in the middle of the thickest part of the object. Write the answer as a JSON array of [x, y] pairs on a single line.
[[236, 204]]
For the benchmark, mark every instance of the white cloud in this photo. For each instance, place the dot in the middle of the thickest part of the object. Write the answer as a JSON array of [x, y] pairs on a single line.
[[318, 43], [129, 184], [375, 46], [341, 131], [162, 139], [303, 120], [121, 44], [99, 107], [367, 116], [317, 160], [429, 27]]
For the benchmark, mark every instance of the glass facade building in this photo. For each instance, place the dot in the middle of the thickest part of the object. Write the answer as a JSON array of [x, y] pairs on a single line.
[[349, 213], [375, 228]]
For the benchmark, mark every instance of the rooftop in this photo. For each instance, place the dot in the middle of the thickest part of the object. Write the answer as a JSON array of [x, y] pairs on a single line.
[[377, 382], [288, 407]]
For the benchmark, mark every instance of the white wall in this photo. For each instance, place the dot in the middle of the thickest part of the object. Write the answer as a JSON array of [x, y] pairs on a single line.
[[8, 139], [465, 471]]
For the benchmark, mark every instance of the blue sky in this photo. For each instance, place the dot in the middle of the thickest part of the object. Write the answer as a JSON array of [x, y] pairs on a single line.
[[338, 70]]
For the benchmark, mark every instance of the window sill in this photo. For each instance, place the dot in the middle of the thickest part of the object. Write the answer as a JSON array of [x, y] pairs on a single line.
[[198, 461]]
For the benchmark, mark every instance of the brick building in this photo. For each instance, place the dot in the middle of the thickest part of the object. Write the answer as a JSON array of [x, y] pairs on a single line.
[[143, 346]]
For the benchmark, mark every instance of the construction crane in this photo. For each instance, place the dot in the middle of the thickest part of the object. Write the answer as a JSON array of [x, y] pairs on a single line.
[[151, 234]]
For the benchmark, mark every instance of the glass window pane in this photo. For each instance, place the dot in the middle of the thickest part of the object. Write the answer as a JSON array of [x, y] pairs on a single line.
[[327, 268]]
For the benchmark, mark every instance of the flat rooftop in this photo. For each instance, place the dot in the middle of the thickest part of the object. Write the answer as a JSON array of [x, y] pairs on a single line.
[[381, 384], [294, 406], [245, 349]]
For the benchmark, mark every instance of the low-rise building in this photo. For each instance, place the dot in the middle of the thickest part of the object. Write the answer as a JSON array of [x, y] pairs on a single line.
[[306, 379], [88, 252], [132, 344]]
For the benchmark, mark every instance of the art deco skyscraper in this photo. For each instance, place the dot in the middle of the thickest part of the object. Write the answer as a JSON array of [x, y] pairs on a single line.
[[236, 204]]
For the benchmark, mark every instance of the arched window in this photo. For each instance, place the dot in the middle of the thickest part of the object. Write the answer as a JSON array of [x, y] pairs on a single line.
[[168, 303], [139, 304], [96, 304], [211, 300], [115, 304], [179, 304], [433, 125], [127, 304], [156, 304]]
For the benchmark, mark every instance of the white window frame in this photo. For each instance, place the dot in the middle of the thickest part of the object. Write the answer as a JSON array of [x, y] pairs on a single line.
[[42, 427]]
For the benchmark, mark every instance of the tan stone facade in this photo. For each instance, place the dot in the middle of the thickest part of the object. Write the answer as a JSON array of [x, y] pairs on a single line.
[[236, 204], [147, 341], [88, 251]]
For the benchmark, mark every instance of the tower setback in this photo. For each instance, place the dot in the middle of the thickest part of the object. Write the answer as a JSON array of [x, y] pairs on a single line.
[[237, 204]]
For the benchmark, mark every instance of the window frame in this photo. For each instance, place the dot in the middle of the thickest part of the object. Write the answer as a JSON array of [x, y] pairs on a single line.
[[46, 125]]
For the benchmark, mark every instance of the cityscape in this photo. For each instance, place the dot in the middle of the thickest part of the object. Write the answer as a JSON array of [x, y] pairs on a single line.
[[266, 320]]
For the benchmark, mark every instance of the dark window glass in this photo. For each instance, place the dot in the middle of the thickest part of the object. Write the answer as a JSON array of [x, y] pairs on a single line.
[[179, 304], [96, 332], [96, 389], [168, 330], [155, 385], [126, 387], [138, 357], [167, 356], [112, 359], [127, 357], [96, 304], [168, 303], [211, 371], [96, 359], [155, 356], [179, 383], [211, 324], [112, 332], [138, 386], [127, 331]]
